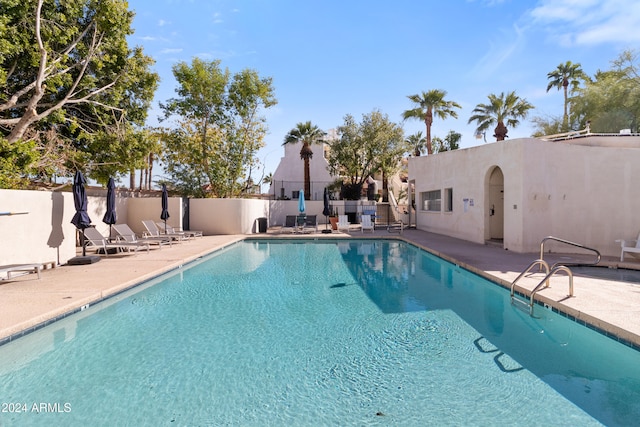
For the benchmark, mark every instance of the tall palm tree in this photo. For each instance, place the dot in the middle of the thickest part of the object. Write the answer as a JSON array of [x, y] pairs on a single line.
[[500, 109], [566, 74], [426, 105], [417, 142], [308, 134]]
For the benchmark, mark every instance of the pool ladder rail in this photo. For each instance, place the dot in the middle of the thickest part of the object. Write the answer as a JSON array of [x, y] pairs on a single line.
[[528, 304]]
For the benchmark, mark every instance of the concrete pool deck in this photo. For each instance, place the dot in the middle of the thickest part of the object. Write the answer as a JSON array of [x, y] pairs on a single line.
[[609, 304]]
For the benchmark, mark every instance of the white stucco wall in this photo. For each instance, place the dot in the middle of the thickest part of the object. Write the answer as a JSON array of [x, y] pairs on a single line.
[[227, 216], [582, 193], [46, 234], [149, 208]]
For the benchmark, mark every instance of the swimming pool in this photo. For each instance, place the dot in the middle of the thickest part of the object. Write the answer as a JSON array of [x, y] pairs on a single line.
[[368, 332]]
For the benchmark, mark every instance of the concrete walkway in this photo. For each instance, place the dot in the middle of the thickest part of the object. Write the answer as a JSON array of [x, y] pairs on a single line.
[[609, 304]]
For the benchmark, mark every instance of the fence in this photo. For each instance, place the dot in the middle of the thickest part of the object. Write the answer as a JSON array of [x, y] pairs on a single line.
[[289, 190]]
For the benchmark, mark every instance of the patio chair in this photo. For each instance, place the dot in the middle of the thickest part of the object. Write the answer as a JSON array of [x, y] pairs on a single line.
[[172, 230], [20, 268], [632, 249], [343, 223], [94, 238], [366, 223], [289, 224], [310, 223], [126, 234], [154, 230]]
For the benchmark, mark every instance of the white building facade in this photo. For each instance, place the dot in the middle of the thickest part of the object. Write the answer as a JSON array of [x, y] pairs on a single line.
[[517, 192], [288, 178]]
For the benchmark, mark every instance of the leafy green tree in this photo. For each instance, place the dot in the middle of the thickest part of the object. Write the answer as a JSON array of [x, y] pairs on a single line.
[[307, 134], [547, 125], [212, 151], [15, 159], [417, 143], [66, 67], [611, 99], [508, 108], [375, 144], [449, 143], [565, 75], [72, 58], [426, 105]]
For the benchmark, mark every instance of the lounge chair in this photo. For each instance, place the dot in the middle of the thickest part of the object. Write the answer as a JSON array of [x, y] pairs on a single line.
[[634, 249], [343, 223], [366, 223], [94, 238], [289, 224], [154, 231], [20, 268], [171, 230], [310, 223], [300, 220], [126, 234]]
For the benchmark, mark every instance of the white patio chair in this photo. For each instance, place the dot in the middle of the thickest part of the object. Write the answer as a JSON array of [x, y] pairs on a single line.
[[126, 234], [154, 230], [343, 223], [366, 223], [94, 238], [633, 248]]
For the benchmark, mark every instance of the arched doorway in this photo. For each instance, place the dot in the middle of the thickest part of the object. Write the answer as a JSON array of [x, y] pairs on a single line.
[[494, 187]]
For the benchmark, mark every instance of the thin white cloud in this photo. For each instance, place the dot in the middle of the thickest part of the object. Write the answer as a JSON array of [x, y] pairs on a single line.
[[217, 18], [162, 23], [589, 22], [171, 51], [500, 50]]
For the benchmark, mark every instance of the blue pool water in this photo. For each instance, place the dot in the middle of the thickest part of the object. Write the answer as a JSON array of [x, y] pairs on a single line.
[[317, 333]]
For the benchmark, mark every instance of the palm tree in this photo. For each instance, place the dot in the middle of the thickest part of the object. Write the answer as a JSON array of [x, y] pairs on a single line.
[[500, 109], [417, 142], [566, 74], [307, 134], [426, 105]]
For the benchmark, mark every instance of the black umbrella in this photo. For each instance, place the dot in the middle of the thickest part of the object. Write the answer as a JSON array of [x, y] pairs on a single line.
[[81, 219], [110, 214], [165, 206], [326, 211]]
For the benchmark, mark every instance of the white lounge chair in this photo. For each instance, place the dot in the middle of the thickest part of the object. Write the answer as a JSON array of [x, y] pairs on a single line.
[[94, 238], [366, 223], [20, 268], [172, 230], [155, 231], [343, 223], [126, 234], [634, 248]]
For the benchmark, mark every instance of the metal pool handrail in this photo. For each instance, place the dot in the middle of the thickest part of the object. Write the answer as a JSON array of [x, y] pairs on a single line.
[[567, 242]]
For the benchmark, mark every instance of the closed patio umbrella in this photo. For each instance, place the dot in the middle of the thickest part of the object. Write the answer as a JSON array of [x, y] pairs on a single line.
[[164, 215], [326, 211], [301, 205], [81, 218], [110, 215]]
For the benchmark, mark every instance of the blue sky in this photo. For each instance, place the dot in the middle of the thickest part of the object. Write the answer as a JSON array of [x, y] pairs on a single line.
[[330, 58]]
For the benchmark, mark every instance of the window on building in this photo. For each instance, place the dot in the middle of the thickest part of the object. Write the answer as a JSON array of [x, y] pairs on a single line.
[[295, 194], [431, 201], [448, 199]]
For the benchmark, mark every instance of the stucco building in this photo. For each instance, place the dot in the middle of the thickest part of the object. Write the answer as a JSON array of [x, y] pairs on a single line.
[[288, 178], [514, 193]]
